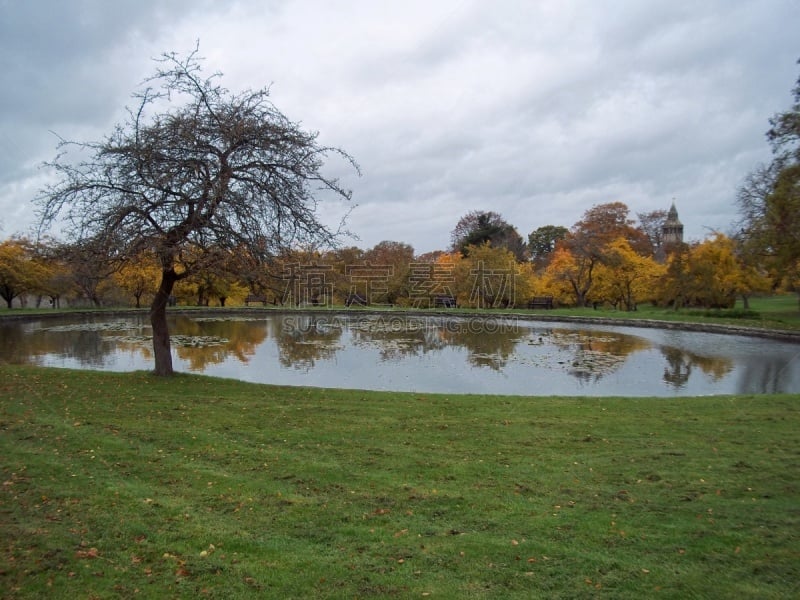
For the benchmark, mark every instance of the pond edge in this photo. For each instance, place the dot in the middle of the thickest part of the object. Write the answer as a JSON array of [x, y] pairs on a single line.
[[774, 334]]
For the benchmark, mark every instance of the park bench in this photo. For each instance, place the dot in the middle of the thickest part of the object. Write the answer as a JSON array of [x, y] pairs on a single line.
[[255, 298], [444, 302], [541, 302]]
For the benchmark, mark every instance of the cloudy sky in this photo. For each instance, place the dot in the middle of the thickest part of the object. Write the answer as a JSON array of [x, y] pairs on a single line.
[[534, 109]]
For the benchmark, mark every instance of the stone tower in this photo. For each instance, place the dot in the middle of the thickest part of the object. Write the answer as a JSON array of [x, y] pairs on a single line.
[[672, 230]]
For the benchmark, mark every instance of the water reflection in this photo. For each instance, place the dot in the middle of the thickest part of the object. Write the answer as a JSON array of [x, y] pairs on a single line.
[[490, 345], [680, 363], [236, 338], [304, 340], [596, 354], [769, 374], [425, 353]]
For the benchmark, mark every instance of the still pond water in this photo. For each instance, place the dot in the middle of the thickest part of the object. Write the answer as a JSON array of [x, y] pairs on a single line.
[[421, 354]]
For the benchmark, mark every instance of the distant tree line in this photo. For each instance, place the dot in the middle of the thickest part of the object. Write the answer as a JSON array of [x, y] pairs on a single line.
[[605, 258]]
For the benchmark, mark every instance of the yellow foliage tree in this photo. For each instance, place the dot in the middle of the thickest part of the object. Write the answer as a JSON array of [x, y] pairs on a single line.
[[625, 277], [20, 272], [139, 278], [716, 276], [491, 277]]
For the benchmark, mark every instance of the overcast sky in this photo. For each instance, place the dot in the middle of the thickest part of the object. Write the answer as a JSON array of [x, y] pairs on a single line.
[[537, 110]]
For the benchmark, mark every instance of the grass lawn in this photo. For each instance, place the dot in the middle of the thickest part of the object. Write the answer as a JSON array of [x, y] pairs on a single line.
[[127, 485], [780, 312], [770, 312]]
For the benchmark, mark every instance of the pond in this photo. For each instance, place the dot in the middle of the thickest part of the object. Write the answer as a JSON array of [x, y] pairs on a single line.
[[494, 355]]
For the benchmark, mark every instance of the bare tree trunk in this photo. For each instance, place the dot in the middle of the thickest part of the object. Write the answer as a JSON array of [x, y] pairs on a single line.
[[158, 319]]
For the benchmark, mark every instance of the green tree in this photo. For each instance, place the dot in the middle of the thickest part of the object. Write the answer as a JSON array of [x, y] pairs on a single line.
[[479, 227], [194, 166], [769, 199], [542, 242], [782, 217]]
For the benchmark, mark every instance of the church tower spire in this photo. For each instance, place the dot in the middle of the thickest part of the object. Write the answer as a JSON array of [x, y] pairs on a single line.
[[672, 230]]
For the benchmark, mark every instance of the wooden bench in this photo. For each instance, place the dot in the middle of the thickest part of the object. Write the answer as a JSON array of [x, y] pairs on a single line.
[[444, 302], [541, 302], [255, 298]]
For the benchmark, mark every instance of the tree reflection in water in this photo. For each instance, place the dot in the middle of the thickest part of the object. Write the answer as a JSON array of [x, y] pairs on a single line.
[[680, 363], [595, 354], [488, 342], [395, 348], [305, 339]]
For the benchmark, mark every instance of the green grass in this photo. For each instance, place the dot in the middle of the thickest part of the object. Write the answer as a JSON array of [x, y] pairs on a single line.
[[781, 312], [127, 485]]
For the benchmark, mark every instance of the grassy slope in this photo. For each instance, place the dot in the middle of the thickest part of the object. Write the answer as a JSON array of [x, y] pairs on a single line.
[[124, 485]]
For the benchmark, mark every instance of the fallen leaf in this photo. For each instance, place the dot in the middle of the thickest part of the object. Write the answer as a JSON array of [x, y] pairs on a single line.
[[90, 553]]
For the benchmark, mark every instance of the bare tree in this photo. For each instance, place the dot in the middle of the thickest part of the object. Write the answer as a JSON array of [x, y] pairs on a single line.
[[652, 224], [194, 167]]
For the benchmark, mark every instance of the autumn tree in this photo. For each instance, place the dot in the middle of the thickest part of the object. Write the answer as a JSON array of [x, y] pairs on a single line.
[[339, 259], [717, 276], [138, 277], [20, 273], [569, 277], [490, 277], [218, 280], [193, 166], [675, 288], [602, 224], [479, 227], [57, 281], [397, 258], [626, 277], [588, 240]]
